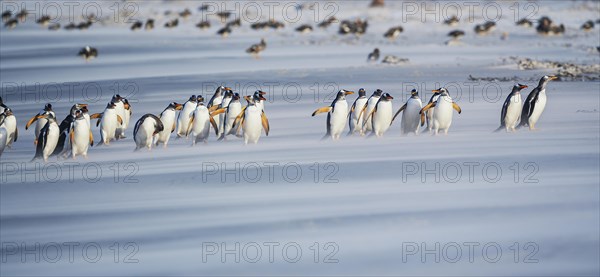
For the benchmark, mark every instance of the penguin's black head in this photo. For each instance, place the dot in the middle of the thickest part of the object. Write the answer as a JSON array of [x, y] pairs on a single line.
[[236, 96], [8, 112], [79, 114], [116, 98], [387, 97], [228, 93], [258, 95], [193, 98], [546, 78], [439, 91], [414, 93], [175, 106], [48, 107], [200, 99], [376, 51], [362, 92], [378, 93], [342, 94], [111, 105], [519, 87]]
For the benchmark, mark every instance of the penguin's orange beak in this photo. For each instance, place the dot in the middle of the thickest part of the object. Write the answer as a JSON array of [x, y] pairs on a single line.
[[348, 92], [389, 97], [262, 92], [553, 77], [227, 88], [435, 90], [523, 86]]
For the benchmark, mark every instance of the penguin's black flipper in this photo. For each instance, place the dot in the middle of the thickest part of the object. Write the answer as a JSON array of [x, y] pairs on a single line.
[[39, 148]]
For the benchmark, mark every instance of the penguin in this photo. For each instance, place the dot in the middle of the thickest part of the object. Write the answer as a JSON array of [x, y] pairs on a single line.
[[255, 49], [109, 120], [224, 32], [137, 25], [41, 122], [185, 13], [10, 124], [64, 143], [145, 129], [88, 53], [382, 114], [216, 100], [2, 105], [172, 24], [11, 23], [304, 29], [203, 25], [200, 122], [126, 116], [337, 114], [525, 23], [183, 120], [373, 56], [43, 20], [456, 34], [353, 121], [442, 115], [232, 111], [80, 135], [149, 24], [429, 115], [535, 103], [225, 102], [368, 108], [452, 21], [511, 110], [410, 117], [121, 111], [167, 117], [54, 27], [47, 139], [393, 32], [3, 133], [6, 15], [252, 120], [588, 26]]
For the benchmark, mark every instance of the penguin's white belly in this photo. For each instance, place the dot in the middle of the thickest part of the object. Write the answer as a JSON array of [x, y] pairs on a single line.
[[143, 137], [126, 118], [39, 125], [411, 117], [338, 117], [108, 125], [51, 141], [360, 103], [429, 113], [382, 118], [370, 106], [252, 124], [3, 136], [120, 110], [234, 110], [168, 119], [10, 123], [81, 138], [513, 112], [183, 122], [540, 105], [201, 125], [442, 116]]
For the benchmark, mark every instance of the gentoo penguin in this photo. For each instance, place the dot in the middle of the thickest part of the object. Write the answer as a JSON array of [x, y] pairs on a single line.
[[382, 114], [41, 122], [43, 20], [149, 24], [11, 23], [305, 29], [354, 123], [524, 22], [231, 112], [216, 100], [3, 133], [80, 135], [167, 117], [126, 116], [373, 56], [200, 122], [6, 15], [511, 110], [588, 25], [337, 114], [484, 29], [183, 120], [172, 24], [145, 129], [442, 115], [10, 124], [368, 108], [136, 25], [252, 120], [54, 27], [255, 49], [64, 144], [225, 31], [109, 121], [452, 21], [456, 34], [393, 32], [410, 117], [185, 13], [203, 25], [228, 95], [88, 53], [120, 104], [47, 139], [429, 114], [535, 103]]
